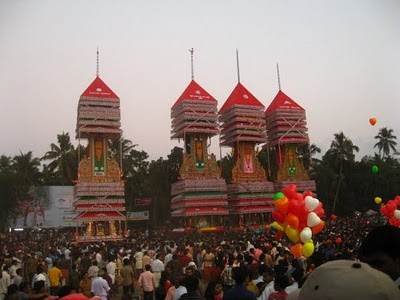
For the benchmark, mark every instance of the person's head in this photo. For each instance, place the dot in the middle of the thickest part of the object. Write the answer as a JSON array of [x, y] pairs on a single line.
[[55, 264], [12, 292], [191, 283], [126, 262], [39, 286], [19, 271], [281, 282], [25, 287], [66, 290], [101, 273], [381, 250], [14, 262], [147, 267], [241, 274], [189, 271], [86, 276], [39, 269], [94, 263], [268, 275]]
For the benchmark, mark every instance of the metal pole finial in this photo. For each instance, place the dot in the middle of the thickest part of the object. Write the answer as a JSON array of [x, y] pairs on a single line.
[[237, 65], [279, 77], [97, 66], [191, 60]]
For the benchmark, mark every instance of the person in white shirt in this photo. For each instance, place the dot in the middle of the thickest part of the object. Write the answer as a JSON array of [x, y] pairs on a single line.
[[67, 252], [180, 290], [99, 259], [157, 267], [138, 261], [111, 268], [168, 257], [100, 287], [5, 281], [13, 270]]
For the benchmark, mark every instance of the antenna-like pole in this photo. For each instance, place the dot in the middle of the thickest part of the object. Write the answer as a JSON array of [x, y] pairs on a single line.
[[279, 77], [97, 66], [237, 65], [191, 60]]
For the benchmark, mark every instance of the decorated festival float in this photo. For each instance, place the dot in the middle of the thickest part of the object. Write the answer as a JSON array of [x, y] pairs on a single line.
[[287, 129], [242, 128], [99, 190], [199, 198]]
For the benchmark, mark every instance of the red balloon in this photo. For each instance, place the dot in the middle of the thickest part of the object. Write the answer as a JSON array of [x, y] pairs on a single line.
[[296, 207], [308, 193], [278, 216], [333, 217], [290, 190], [320, 210], [338, 241]]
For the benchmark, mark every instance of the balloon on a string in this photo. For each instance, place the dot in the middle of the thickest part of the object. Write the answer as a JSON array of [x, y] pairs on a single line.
[[372, 121], [375, 169], [378, 200]]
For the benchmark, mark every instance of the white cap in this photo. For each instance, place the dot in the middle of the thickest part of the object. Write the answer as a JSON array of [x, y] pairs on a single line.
[[348, 280]]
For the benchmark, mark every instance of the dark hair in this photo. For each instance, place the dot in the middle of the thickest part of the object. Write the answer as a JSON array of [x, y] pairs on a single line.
[[38, 285], [12, 289], [282, 281], [384, 239], [191, 283], [126, 262], [147, 267], [65, 290], [240, 274], [23, 285]]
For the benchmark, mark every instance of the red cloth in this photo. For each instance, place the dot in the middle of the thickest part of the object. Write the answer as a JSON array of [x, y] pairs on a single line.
[[278, 296]]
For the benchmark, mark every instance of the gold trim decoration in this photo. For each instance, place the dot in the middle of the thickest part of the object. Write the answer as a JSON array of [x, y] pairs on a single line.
[[291, 167]]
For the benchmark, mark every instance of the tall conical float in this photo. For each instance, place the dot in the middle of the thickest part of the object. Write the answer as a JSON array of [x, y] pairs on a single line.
[[199, 197], [242, 128], [99, 190], [287, 130]]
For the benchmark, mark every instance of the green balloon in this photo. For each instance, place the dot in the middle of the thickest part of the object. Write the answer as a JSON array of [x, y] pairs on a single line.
[[375, 169], [278, 196]]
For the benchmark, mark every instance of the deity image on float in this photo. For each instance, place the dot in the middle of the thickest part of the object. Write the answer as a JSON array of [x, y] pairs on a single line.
[[242, 128], [99, 191], [99, 157], [248, 158], [291, 161], [199, 154]]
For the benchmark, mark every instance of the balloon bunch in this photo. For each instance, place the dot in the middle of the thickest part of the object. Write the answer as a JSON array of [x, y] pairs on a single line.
[[392, 211], [299, 217]]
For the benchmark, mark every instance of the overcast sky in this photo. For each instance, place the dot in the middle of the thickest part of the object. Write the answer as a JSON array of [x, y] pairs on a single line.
[[340, 60]]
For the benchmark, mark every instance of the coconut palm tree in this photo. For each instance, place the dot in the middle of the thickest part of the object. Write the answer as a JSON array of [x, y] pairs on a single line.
[[62, 158], [114, 147], [386, 142], [342, 149], [306, 153], [27, 168]]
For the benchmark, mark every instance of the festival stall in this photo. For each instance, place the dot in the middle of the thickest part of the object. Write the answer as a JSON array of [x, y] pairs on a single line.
[[242, 128], [199, 197], [287, 128], [99, 190]]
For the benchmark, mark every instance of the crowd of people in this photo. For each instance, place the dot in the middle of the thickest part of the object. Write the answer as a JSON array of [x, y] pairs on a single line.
[[235, 264]]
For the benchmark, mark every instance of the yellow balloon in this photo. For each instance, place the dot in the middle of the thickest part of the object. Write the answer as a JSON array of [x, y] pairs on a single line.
[[278, 226], [292, 234], [308, 248], [378, 200]]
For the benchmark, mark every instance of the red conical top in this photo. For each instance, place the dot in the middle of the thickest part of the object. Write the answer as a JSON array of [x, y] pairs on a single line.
[[194, 92], [282, 101], [240, 96], [98, 89]]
